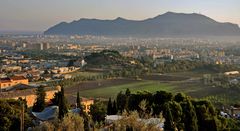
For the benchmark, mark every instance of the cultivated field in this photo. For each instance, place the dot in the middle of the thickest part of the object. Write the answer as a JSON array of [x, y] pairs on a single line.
[[111, 91], [191, 85], [85, 73]]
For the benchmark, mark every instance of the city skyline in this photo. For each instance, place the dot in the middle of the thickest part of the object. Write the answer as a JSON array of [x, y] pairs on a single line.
[[40, 15]]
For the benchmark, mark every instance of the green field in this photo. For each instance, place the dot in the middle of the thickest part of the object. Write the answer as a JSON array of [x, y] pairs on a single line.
[[106, 92], [84, 74], [192, 86]]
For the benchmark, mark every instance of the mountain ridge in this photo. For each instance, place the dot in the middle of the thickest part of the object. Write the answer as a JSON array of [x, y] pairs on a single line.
[[167, 24]]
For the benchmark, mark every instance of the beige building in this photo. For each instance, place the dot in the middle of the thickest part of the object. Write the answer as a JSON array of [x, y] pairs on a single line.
[[29, 95], [12, 81], [86, 104]]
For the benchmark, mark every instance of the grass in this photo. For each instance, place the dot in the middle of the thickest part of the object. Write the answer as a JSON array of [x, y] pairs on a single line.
[[112, 91]]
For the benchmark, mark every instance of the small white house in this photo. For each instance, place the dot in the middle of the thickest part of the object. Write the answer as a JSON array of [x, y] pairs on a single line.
[[231, 73]]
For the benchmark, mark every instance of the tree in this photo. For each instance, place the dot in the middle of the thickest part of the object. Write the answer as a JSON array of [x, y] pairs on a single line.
[[143, 109], [206, 115], [167, 114], [55, 99], [83, 114], [78, 100], [39, 105], [98, 112], [190, 117], [128, 92], [121, 101], [180, 97], [10, 112], [176, 111], [79, 105], [109, 107], [114, 108], [62, 105], [159, 98]]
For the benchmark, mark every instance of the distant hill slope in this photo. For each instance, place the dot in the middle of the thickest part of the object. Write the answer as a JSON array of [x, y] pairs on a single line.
[[168, 24], [109, 59]]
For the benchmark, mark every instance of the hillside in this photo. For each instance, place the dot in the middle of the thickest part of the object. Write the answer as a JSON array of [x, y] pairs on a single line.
[[109, 59], [168, 24]]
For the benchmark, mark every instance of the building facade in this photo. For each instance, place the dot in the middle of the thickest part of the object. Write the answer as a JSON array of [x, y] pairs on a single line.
[[12, 81]]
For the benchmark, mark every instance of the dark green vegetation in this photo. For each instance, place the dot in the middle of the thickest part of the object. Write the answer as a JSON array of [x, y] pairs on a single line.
[[44, 55], [98, 112], [105, 57], [110, 59], [62, 104], [196, 65], [39, 105], [10, 115], [111, 107], [180, 111]]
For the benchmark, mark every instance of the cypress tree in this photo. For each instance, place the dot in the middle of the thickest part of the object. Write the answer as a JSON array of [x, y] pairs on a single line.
[[79, 105], [39, 105], [128, 92], [78, 101], [121, 101], [55, 99], [109, 107], [114, 108], [62, 104]]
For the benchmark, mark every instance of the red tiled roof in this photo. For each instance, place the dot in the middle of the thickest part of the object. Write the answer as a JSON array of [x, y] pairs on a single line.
[[5, 80], [18, 78]]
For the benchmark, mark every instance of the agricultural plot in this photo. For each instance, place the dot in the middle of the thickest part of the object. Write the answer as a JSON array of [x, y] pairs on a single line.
[[111, 91], [189, 85]]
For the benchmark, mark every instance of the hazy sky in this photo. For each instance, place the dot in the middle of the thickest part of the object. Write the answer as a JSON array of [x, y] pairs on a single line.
[[38, 15]]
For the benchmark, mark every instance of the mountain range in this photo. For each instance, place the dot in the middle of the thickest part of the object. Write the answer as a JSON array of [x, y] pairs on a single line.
[[167, 24]]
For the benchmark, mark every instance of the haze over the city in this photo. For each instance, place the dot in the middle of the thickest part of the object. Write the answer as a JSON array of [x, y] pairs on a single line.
[[39, 15]]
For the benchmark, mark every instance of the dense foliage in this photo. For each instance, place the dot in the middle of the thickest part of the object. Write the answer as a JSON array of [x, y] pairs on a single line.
[[188, 65], [39, 104], [180, 111], [10, 113], [62, 104], [111, 107], [45, 55], [110, 59], [98, 112]]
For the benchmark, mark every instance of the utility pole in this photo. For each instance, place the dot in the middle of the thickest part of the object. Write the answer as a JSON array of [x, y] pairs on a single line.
[[22, 117], [0, 85]]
